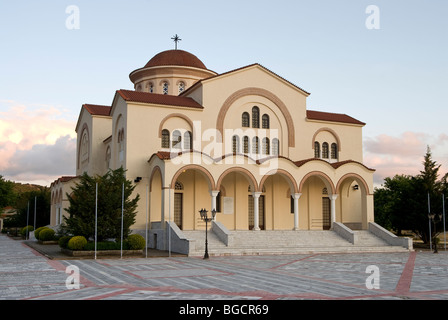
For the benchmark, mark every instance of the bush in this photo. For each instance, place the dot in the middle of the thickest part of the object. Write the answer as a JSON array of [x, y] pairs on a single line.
[[26, 230], [63, 241], [38, 230], [136, 242], [46, 234], [77, 243]]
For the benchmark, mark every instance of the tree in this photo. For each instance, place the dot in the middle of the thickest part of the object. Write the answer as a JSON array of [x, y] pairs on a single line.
[[81, 220], [40, 197], [402, 203], [7, 195]]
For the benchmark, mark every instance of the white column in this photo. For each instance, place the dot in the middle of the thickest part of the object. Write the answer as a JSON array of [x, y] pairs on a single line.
[[296, 197], [256, 196], [214, 194], [333, 198]]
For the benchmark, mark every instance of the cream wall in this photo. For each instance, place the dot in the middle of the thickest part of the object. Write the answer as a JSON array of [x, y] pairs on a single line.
[[142, 124], [98, 128], [59, 200]]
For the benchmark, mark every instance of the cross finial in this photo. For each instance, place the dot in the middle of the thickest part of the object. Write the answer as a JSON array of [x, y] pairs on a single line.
[[176, 40]]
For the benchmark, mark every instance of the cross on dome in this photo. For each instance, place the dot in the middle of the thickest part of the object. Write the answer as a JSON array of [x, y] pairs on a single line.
[[176, 40]]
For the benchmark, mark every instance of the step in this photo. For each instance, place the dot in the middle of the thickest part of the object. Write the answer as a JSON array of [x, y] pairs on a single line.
[[287, 242]]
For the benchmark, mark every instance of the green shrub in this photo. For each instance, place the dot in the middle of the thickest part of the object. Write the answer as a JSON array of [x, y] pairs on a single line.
[[46, 234], [25, 230], [136, 242], [77, 243], [38, 230], [63, 241]]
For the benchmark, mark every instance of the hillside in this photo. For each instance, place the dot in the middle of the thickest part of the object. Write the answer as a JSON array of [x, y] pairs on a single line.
[[20, 188]]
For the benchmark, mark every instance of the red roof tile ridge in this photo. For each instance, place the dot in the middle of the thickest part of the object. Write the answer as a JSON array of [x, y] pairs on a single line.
[[332, 117], [146, 97]]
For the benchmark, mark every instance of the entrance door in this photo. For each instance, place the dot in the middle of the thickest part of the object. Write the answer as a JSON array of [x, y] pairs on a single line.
[[178, 201], [326, 212], [260, 212]]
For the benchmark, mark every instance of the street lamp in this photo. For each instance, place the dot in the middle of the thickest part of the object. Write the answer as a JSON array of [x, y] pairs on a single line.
[[205, 218]]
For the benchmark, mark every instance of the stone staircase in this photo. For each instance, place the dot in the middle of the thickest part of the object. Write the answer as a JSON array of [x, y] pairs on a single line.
[[286, 242]]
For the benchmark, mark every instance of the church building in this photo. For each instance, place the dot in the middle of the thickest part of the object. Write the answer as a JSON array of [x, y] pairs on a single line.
[[242, 143]]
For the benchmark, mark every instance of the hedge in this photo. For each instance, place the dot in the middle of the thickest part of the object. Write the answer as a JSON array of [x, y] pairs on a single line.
[[26, 230], [136, 242], [38, 230], [46, 234], [77, 243]]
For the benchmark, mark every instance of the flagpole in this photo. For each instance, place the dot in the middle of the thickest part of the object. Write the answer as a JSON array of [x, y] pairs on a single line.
[[35, 202], [444, 231], [27, 218], [96, 215], [122, 205], [429, 218], [169, 219], [146, 228]]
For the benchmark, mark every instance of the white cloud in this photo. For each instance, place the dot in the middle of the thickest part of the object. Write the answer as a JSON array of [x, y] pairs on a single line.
[[37, 144], [391, 155]]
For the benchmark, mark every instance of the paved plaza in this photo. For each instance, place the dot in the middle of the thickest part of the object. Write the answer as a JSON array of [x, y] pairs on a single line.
[[27, 274]]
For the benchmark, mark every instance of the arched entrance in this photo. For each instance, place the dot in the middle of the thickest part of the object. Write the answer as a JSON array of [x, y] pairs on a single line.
[[280, 191], [241, 204], [352, 190], [317, 193], [191, 187]]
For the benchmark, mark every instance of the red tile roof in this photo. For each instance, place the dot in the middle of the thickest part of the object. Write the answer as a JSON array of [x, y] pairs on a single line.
[[163, 99], [332, 117], [98, 110], [175, 58]]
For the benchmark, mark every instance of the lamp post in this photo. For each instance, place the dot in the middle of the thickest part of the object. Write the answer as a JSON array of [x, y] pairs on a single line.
[[207, 219]]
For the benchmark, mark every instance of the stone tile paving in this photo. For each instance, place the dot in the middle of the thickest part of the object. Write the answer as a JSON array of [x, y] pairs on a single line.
[[26, 274]]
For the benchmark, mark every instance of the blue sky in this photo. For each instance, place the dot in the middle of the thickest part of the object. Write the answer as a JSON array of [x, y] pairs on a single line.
[[393, 78]]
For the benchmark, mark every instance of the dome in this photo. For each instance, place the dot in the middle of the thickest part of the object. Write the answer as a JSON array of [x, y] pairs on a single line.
[[175, 58]]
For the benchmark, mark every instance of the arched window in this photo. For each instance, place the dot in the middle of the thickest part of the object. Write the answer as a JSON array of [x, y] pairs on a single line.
[[246, 146], [255, 146], [181, 87], [255, 117], [334, 151], [265, 146], [151, 87], [108, 157], [139, 87], [165, 87], [178, 186], [316, 150], [177, 139], [245, 122], [165, 139], [235, 144], [325, 150], [265, 121], [121, 145], [275, 147], [188, 140]]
